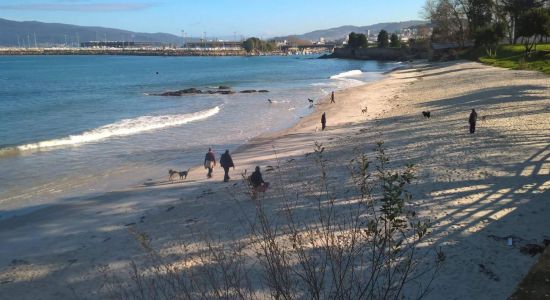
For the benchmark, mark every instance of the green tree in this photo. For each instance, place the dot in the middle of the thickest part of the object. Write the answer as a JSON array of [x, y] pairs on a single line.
[[513, 9], [489, 37], [533, 25], [383, 39], [251, 44], [356, 41], [395, 42], [479, 14], [362, 41], [351, 40], [254, 44]]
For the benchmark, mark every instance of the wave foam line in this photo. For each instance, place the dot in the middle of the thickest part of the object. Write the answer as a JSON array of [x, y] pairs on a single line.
[[123, 128], [347, 74]]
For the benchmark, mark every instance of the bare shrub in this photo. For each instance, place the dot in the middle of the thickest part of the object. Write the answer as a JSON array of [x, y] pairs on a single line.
[[366, 246]]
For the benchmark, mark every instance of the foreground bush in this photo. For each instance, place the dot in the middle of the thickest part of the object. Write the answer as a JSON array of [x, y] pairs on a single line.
[[362, 247]]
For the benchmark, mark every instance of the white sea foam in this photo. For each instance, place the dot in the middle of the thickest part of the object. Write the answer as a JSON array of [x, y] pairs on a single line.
[[351, 73], [123, 128]]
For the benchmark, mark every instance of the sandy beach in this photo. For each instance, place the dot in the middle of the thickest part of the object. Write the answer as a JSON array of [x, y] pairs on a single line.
[[479, 190]]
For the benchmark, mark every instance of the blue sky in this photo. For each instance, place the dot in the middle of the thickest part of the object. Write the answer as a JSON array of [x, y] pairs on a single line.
[[218, 18]]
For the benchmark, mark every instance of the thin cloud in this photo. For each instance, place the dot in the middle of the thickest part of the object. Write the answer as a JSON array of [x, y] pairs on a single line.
[[83, 7]]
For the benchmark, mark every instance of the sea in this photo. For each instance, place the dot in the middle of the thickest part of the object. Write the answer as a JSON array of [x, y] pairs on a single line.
[[72, 126]]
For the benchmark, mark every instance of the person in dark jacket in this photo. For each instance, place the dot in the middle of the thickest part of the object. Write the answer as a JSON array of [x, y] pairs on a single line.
[[209, 162], [323, 121], [226, 162], [332, 98], [257, 182], [472, 121]]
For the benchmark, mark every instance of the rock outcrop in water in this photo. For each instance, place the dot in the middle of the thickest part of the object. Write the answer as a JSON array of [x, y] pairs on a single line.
[[224, 90]]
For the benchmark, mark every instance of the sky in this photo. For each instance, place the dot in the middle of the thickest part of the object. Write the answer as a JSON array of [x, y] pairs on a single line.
[[218, 18]]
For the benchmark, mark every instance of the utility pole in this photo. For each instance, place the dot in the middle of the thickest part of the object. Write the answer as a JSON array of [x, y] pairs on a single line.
[[35, 45]]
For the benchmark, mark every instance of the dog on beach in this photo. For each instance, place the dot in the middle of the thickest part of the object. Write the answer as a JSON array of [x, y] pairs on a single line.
[[269, 100], [310, 101], [173, 173], [183, 174], [427, 114], [365, 110]]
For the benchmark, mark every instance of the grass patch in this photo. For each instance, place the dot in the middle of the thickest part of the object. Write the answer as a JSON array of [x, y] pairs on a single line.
[[513, 57]]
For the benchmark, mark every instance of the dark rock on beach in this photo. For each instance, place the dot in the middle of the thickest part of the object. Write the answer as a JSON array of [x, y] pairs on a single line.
[[248, 91], [224, 87], [263, 91]]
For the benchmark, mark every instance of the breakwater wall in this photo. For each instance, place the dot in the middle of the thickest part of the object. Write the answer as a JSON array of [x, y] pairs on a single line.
[[387, 54], [135, 52]]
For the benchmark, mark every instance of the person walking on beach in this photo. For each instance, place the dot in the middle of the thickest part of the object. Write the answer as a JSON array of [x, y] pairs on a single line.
[[226, 162], [332, 98], [209, 162], [323, 121], [472, 121], [258, 183]]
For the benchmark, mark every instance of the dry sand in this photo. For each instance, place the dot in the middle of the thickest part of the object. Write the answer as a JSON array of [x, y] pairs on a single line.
[[479, 189]]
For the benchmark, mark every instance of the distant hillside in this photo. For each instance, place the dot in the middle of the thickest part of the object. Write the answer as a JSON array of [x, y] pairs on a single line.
[[343, 31], [48, 34]]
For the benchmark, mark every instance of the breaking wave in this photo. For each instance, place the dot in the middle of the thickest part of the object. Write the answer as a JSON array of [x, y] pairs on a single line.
[[347, 74], [121, 128]]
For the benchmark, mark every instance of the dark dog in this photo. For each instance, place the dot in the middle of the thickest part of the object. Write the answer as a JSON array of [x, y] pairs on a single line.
[[171, 174], [310, 101], [426, 114], [184, 174]]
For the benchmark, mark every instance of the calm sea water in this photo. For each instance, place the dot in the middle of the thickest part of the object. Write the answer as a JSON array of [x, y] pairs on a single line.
[[72, 125]]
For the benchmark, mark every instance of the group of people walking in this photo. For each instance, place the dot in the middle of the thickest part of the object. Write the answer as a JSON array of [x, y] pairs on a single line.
[[226, 162]]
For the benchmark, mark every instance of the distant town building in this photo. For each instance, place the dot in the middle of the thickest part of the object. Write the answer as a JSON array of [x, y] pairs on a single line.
[[123, 44], [214, 45]]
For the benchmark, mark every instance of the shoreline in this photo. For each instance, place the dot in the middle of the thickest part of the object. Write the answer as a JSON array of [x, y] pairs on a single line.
[[151, 178], [477, 189]]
